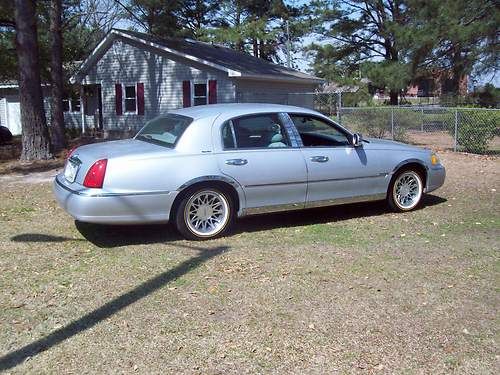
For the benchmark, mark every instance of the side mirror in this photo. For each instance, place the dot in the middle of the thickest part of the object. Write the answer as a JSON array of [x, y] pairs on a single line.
[[357, 139]]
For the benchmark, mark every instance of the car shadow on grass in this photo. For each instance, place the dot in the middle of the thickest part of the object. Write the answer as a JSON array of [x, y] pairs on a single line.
[[100, 314], [111, 236], [108, 236], [322, 215]]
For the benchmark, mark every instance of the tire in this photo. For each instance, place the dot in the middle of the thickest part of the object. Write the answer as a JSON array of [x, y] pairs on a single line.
[[204, 213], [405, 191]]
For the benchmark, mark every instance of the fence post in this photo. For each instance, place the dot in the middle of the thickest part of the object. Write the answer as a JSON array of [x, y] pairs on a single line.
[[392, 123], [455, 143], [422, 122], [339, 107]]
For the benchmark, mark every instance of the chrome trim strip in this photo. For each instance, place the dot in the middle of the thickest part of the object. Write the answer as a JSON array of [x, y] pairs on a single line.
[[98, 195], [316, 181], [300, 206], [350, 178], [408, 161], [231, 126], [292, 132], [273, 208], [346, 200], [277, 184], [208, 178]]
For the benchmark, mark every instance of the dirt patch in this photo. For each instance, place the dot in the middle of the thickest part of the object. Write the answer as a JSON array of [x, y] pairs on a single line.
[[443, 141], [30, 178]]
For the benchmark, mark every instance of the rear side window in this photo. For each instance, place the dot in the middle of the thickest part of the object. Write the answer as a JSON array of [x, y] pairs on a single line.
[[256, 131], [164, 130]]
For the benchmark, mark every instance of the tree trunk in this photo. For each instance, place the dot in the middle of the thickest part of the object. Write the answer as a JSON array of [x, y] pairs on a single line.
[[56, 76], [35, 137], [393, 95], [262, 50], [255, 45]]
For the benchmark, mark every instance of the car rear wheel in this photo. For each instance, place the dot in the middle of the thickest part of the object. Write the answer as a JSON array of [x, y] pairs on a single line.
[[204, 213], [405, 191]]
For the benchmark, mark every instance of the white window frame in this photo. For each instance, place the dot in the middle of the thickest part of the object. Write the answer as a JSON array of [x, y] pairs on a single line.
[[124, 91], [70, 104], [199, 82]]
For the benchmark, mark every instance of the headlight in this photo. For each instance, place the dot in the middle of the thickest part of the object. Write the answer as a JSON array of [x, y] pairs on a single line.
[[434, 159]]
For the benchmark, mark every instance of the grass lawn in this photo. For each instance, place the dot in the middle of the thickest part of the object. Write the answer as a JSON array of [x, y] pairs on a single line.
[[351, 289]]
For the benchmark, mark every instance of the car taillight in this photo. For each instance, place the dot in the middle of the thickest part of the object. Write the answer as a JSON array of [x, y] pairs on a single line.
[[95, 175]]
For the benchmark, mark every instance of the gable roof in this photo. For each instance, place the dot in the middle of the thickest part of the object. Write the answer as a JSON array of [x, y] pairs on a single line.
[[236, 64]]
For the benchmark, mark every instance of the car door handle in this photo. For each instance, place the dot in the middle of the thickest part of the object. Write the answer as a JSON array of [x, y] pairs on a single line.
[[319, 159], [236, 161]]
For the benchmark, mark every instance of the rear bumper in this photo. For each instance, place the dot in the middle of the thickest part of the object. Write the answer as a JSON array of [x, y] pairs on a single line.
[[96, 206], [435, 178]]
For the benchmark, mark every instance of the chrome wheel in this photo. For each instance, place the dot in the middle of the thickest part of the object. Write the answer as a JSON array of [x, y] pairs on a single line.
[[206, 213], [407, 190]]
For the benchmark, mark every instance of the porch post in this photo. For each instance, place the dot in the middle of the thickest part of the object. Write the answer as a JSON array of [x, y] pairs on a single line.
[[82, 108]]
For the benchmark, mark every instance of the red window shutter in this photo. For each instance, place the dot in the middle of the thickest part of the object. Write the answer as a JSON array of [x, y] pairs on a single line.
[[212, 91], [118, 99], [140, 98], [186, 94]]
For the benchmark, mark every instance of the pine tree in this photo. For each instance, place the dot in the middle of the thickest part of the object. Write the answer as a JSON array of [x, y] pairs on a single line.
[[35, 135]]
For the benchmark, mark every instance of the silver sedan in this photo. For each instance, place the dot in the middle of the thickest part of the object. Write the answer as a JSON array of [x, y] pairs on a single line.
[[201, 167]]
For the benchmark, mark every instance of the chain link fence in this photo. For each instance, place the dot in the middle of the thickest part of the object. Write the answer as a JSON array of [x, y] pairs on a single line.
[[474, 130]]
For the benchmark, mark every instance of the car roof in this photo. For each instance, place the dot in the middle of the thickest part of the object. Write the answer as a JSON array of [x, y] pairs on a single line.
[[238, 109]]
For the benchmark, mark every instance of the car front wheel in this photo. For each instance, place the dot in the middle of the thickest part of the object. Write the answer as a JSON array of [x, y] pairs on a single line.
[[204, 213], [405, 191]]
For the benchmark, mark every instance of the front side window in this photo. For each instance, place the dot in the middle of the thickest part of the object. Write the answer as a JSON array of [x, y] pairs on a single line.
[[256, 131], [130, 99], [316, 132], [164, 130], [200, 94]]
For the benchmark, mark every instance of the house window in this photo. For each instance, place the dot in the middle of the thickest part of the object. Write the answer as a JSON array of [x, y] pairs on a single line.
[[75, 104], [71, 104], [200, 94], [130, 99], [65, 104]]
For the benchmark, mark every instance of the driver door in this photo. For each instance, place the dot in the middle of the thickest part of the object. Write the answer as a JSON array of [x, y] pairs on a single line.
[[337, 172]]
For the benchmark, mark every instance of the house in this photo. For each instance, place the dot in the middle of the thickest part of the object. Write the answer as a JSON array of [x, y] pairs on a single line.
[[435, 83], [10, 110], [131, 77]]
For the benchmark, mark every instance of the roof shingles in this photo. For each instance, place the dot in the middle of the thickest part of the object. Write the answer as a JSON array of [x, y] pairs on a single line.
[[242, 62]]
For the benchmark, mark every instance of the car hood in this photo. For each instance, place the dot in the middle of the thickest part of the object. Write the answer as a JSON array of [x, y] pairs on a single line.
[[385, 144]]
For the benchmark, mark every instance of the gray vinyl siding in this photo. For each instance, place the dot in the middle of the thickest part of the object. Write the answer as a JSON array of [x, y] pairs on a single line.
[[248, 91], [162, 75], [73, 120]]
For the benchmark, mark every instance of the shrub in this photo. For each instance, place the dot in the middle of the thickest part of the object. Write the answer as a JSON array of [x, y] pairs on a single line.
[[476, 129]]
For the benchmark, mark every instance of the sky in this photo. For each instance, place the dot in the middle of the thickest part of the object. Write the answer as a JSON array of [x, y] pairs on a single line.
[[304, 62]]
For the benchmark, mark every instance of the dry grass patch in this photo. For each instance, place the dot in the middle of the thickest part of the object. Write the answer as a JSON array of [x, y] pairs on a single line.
[[352, 289]]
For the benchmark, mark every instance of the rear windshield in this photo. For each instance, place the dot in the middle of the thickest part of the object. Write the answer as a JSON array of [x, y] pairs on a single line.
[[164, 130]]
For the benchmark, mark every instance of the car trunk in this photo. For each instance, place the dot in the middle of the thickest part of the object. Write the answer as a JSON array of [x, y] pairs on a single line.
[[128, 148]]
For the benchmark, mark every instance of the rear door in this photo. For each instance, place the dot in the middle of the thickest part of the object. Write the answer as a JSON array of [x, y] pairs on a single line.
[[258, 153]]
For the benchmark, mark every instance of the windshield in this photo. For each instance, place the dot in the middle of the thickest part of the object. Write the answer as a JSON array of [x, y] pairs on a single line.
[[164, 130]]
